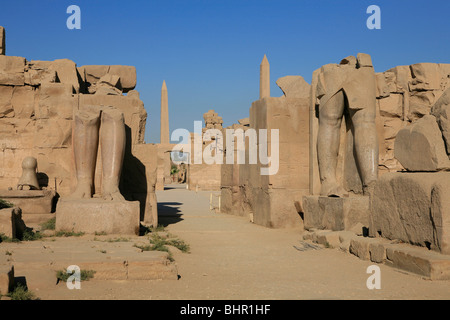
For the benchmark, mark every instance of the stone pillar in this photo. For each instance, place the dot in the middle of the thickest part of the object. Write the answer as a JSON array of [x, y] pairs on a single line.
[[165, 134], [264, 79], [164, 115]]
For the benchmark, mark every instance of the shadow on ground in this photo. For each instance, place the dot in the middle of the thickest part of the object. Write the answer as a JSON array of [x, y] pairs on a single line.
[[168, 213]]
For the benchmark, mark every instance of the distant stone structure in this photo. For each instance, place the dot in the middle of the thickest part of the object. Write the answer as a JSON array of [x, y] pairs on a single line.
[[206, 176]]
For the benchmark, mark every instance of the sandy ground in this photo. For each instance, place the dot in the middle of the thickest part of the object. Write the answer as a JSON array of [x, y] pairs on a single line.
[[231, 258]]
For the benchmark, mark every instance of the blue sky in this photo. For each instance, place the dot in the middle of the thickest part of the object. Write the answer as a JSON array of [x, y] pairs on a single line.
[[209, 52]]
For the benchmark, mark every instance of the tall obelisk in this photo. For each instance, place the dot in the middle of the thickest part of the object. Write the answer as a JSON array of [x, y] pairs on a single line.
[[164, 138], [264, 79]]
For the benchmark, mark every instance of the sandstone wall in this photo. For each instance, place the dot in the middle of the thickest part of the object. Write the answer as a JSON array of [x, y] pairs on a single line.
[[406, 94], [37, 102], [269, 200]]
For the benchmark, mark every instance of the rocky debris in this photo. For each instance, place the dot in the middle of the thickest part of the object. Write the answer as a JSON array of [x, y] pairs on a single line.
[[420, 147], [421, 261]]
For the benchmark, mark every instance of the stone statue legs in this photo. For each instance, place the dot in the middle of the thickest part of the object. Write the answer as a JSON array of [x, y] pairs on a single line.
[[85, 140], [85, 135], [365, 138], [112, 142], [330, 119]]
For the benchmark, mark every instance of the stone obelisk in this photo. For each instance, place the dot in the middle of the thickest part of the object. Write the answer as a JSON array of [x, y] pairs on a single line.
[[264, 79], [164, 115], [164, 148]]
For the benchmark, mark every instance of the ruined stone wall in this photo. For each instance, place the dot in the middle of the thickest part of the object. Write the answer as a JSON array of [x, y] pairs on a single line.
[[406, 94], [269, 200], [206, 176], [37, 103]]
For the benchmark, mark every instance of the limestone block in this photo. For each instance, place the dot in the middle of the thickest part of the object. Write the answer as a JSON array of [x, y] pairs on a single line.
[[53, 133], [382, 86], [420, 104], [23, 102], [127, 75], [6, 108], [420, 147], [97, 215], [413, 208], [12, 70], [7, 222], [377, 251], [335, 213], [399, 78], [392, 106], [30, 201], [2, 41], [6, 279], [441, 110], [440, 214], [391, 127], [66, 71], [294, 87], [37, 73], [430, 264], [359, 246], [426, 76], [56, 101]]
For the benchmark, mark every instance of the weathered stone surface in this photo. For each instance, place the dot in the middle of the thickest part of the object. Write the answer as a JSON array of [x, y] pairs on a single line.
[[56, 101], [401, 207], [6, 279], [441, 110], [30, 201], [335, 213], [6, 108], [66, 71], [359, 246], [294, 87], [7, 222], [98, 215], [12, 70], [426, 76], [416, 260], [440, 214], [93, 73], [392, 106], [23, 102], [420, 147]]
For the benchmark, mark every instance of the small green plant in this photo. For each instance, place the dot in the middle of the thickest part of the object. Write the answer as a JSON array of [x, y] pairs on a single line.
[[174, 170], [49, 225], [179, 244], [8, 253], [68, 234], [20, 292], [4, 238], [5, 204], [85, 275], [102, 233], [102, 251], [29, 235]]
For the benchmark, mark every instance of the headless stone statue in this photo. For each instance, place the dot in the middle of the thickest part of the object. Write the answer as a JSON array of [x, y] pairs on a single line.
[[86, 137], [351, 85], [28, 180]]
